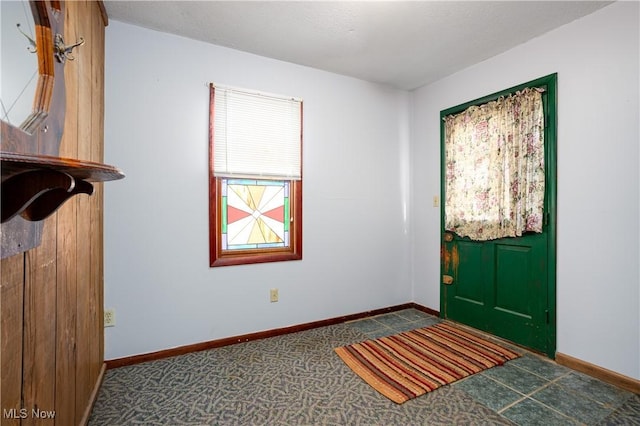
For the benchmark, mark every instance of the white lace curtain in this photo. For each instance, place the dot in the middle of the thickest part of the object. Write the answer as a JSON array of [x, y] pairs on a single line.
[[494, 157]]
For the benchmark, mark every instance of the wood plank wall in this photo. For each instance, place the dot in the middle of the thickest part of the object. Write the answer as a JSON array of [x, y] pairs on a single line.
[[51, 298]]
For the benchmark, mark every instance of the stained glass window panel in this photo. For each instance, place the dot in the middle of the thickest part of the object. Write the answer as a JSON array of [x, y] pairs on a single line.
[[255, 214]]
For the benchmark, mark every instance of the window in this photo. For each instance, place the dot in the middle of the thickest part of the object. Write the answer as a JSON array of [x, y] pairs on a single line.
[[255, 177]]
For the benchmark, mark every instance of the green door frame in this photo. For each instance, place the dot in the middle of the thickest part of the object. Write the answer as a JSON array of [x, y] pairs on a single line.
[[550, 84]]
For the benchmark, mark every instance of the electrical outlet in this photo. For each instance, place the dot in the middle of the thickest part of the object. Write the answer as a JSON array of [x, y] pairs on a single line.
[[109, 317], [436, 201], [273, 295]]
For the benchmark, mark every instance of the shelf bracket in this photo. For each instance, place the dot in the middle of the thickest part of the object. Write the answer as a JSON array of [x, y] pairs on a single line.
[[36, 194], [50, 201]]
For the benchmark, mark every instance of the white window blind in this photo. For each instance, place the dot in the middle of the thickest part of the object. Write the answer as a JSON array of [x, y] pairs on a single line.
[[256, 134]]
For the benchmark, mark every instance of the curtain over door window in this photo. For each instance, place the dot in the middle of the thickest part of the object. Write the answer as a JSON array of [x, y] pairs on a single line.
[[495, 174]]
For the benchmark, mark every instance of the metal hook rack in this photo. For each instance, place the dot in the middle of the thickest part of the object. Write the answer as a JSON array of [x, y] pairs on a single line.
[[34, 47], [63, 52]]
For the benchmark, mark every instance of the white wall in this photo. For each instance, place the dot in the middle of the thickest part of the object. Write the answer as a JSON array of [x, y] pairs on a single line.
[[375, 245], [355, 197], [597, 61]]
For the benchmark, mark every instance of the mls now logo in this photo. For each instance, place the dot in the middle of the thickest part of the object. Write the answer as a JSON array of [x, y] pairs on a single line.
[[23, 413]]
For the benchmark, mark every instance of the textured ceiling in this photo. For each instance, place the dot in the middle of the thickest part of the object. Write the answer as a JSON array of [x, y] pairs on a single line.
[[405, 44]]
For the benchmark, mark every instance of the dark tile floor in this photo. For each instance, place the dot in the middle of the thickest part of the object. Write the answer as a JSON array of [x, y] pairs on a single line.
[[530, 390]]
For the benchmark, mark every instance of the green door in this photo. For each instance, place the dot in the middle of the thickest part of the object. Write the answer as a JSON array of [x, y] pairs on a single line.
[[499, 286], [506, 286]]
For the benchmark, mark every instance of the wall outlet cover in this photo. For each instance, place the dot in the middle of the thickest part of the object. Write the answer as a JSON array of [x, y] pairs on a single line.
[[109, 317]]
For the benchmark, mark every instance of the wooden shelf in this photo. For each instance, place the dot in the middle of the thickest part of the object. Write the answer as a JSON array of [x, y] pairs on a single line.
[[34, 186]]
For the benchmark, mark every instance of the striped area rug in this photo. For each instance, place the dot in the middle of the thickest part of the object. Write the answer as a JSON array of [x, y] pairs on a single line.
[[407, 365]]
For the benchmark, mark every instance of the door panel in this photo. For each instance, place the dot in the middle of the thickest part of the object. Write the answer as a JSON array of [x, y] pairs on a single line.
[[465, 297], [467, 280], [498, 286], [512, 269], [519, 286]]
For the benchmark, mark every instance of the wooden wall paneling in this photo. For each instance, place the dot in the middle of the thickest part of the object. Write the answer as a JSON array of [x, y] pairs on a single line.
[[52, 296], [85, 305], [39, 339], [97, 201], [67, 251], [11, 302]]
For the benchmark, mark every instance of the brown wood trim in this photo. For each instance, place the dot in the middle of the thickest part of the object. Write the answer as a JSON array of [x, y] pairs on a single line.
[[425, 309], [212, 344], [103, 13], [598, 372], [94, 395], [213, 184]]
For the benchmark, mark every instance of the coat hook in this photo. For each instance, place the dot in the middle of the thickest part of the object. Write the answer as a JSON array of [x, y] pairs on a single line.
[[34, 46], [63, 52]]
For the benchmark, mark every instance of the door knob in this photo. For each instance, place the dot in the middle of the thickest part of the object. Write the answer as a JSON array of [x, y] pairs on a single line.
[[448, 237], [447, 279]]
